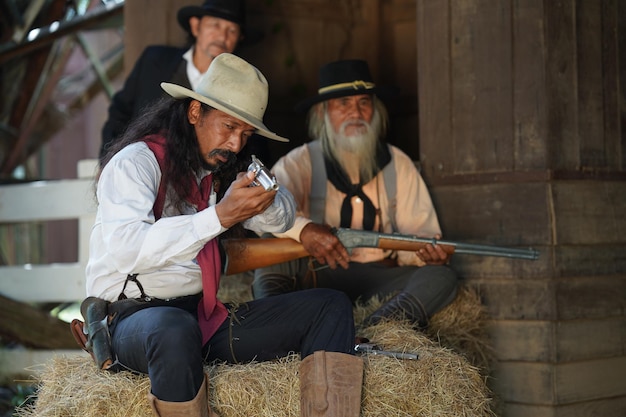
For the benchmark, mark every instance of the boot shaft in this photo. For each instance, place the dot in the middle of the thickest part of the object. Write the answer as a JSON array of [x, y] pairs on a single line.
[[198, 407], [330, 385]]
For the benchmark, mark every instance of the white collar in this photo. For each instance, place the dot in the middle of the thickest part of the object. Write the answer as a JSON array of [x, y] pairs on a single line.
[[192, 72]]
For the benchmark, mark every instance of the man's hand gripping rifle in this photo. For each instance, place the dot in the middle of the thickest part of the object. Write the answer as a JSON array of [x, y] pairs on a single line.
[[247, 254]]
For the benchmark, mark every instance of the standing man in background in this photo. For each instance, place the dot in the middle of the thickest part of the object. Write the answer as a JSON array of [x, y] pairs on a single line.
[[215, 27]]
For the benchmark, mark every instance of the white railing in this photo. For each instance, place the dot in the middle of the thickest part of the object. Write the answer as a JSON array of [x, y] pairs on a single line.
[[56, 282]]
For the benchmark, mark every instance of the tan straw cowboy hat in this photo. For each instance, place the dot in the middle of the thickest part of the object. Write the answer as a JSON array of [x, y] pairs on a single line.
[[233, 86]]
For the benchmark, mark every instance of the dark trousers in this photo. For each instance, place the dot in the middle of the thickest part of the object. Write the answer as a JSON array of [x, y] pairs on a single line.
[[165, 342], [434, 286]]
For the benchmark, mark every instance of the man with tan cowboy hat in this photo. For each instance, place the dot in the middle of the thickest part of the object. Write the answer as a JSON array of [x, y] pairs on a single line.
[[214, 27], [168, 190], [347, 176]]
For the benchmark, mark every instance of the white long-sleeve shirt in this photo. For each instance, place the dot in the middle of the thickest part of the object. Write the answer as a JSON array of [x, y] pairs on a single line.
[[415, 214], [126, 239]]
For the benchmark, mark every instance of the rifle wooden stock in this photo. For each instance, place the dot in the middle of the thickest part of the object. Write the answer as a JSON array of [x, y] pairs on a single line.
[[247, 254]]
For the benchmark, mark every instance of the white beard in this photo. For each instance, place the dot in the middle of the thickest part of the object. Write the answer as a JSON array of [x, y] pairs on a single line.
[[355, 152]]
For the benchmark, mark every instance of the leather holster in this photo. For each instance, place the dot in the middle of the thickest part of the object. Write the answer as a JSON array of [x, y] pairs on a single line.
[[93, 335]]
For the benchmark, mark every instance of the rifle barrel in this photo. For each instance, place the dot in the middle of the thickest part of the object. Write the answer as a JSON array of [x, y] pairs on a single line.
[[487, 250], [360, 238]]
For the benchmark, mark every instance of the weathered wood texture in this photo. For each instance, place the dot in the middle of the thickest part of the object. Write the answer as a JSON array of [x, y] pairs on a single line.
[[583, 66], [522, 141], [530, 340], [549, 384], [301, 36], [469, 115], [579, 227], [149, 22], [593, 297], [590, 326], [604, 407], [520, 86]]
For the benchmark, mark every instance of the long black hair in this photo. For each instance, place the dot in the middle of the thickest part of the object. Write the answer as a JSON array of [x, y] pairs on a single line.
[[168, 117]]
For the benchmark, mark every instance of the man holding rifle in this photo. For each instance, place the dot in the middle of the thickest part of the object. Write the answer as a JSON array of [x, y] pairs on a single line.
[[348, 177]]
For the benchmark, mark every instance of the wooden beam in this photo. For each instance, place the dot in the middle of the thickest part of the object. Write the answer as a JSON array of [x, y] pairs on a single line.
[[104, 16], [32, 327]]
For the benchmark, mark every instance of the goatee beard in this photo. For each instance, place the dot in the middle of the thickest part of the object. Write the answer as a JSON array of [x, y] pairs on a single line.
[[231, 159]]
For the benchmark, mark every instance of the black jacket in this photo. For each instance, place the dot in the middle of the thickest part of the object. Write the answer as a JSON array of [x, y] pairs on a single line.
[[155, 65]]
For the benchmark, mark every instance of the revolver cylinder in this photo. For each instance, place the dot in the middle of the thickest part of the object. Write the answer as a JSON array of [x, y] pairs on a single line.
[[263, 176]]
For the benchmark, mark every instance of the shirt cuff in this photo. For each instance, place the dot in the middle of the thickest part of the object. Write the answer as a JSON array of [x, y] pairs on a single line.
[[294, 232], [207, 225]]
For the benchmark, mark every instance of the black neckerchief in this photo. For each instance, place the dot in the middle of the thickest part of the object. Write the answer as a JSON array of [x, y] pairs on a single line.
[[338, 177]]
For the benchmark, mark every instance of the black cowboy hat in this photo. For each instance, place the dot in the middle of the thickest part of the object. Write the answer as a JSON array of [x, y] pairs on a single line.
[[344, 78], [232, 10]]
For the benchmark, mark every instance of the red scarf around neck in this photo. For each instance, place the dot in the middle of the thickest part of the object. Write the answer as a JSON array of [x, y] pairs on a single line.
[[211, 311]]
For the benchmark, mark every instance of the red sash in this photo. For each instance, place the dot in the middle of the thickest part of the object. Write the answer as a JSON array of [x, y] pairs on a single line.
[[211, 311]]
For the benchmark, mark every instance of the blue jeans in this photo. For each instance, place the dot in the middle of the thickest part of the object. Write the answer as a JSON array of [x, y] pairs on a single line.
[[166, 344]]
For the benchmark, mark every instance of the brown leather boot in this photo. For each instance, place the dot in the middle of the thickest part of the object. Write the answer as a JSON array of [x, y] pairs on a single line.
[[330, 385], [198, 407]]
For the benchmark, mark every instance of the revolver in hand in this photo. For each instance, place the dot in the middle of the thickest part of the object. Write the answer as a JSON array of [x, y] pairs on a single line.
[[262, 176]]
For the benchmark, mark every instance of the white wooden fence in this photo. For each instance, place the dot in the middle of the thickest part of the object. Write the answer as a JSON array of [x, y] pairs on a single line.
[[58, 282]]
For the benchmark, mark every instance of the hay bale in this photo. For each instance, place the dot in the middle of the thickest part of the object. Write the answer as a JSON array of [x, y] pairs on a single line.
[[444, 381], [439, 383], [460, 326], [266, 389], [73, 386], [236, 288]]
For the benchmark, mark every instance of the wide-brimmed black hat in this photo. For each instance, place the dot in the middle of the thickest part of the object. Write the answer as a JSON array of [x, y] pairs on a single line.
[[232, 10], [344, 78]]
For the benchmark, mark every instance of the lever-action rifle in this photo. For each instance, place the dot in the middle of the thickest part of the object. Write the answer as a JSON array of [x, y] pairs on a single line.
[[251, 253]]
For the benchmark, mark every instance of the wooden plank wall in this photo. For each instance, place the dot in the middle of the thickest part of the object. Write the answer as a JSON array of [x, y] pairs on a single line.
[[522, 142], [303, 35]]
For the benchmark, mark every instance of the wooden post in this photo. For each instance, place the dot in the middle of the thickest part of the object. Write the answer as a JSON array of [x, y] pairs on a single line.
[[522, 143]]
